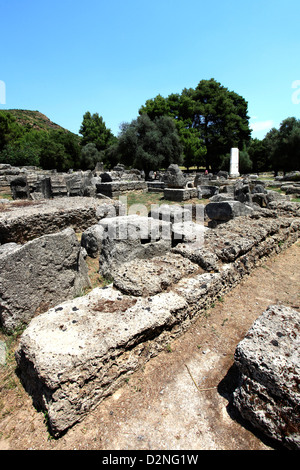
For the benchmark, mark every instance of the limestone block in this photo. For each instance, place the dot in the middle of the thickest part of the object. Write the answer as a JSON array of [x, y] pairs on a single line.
[[208, 191], [177, 194], [126, 238], [171, 213], [77, 353], [268, 361], [39, 274], [184, 232], [91, 240], [227, 210], [153, 275], [174, 177]]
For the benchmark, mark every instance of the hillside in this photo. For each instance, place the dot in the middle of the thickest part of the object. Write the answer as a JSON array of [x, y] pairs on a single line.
[[34, 120]]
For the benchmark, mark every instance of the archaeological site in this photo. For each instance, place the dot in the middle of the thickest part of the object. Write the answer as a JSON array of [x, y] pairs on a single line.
[[159, 269]]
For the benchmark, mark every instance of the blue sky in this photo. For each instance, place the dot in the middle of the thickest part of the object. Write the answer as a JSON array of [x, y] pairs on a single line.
[[66, 57]]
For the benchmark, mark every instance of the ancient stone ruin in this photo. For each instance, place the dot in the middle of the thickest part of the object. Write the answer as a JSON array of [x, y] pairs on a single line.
[[268, 360], [163, 270]]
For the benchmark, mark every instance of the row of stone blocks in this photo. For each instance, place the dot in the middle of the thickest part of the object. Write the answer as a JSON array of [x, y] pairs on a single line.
[[78, 352]]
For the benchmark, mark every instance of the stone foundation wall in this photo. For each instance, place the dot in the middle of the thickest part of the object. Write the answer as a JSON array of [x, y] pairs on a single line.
[[79, 352], [21, 223]]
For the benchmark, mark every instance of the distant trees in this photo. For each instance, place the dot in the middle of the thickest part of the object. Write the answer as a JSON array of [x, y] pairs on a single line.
[[195, 128], [283, 145], [49, 149]]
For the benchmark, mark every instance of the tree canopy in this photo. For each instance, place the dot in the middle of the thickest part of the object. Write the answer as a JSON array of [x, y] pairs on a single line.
[[93, 130], [210, 116], [147, 144]]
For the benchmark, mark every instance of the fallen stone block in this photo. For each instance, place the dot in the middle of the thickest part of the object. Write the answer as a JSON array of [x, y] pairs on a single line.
[[268, 362], [208, 191], [77, 353], [39, 274], [91, 240], [179, 194], [35, 219], [205, 258], [132, 237], [224, 211]]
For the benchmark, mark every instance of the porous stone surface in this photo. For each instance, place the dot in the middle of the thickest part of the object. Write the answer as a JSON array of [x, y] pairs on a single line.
[[153, 275], [76, 354], [39, 274], [185, 232], [268, 361], [23, 221], [127, 238], [171, 213], [174, 177], [179, 194]]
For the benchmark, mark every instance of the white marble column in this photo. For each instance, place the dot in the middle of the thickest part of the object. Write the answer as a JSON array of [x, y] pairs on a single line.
[[234, 162]]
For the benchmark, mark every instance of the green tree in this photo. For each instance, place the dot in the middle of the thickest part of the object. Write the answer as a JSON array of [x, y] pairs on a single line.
[[148, 144], [10, 130], [90, 155], [283, 146], [217, 116], [258, 154], [221, 118], [94, 130]]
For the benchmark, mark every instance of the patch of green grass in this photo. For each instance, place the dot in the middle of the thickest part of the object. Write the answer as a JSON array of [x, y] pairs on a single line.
[[6, 196], [146, 199]]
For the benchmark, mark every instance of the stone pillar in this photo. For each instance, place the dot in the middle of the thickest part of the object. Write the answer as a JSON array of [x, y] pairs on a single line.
[[234, 162]]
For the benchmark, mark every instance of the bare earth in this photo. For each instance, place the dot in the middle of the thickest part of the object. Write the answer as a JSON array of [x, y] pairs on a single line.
[[181, 398]]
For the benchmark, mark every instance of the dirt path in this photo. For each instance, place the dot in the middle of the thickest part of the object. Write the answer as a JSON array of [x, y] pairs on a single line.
[[180, 400]]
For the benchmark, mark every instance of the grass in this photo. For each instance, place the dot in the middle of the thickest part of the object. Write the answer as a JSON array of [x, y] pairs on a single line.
[[6, 196], [147, 199]]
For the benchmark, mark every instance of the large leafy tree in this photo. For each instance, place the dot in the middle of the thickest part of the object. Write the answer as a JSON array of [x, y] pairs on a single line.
[[211, 113], [283, 145], [148, 144], [258, 154], [221, 117], [93, 130]]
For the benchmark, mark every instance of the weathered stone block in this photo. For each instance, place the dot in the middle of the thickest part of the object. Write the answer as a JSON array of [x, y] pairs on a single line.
[[268, 361], [171, 213], [132, 237], [226, 210], [39, 274], [152, 276], [177, 194], [91, 240], [77, 353]]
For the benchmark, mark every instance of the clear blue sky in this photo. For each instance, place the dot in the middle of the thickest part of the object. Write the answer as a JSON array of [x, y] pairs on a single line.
[[66, 57]]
